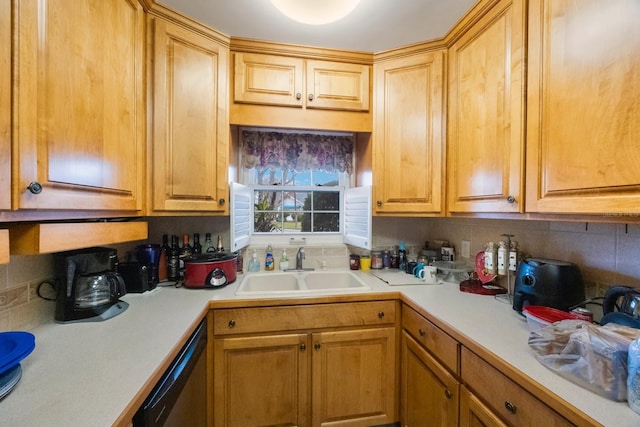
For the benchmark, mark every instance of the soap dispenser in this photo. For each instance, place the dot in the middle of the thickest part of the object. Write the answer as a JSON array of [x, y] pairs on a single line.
[[284, 260], [254, 264]]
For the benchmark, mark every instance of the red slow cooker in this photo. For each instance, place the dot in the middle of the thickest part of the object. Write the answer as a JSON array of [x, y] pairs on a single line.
[[210, 270]]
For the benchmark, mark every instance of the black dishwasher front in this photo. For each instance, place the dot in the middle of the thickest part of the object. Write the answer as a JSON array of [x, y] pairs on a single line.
[[179, 398]]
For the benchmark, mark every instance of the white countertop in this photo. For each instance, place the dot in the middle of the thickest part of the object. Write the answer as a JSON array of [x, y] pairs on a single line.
[[87, 374]]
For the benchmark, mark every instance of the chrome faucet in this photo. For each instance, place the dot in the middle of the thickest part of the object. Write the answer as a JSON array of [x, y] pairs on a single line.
[[299, 257]]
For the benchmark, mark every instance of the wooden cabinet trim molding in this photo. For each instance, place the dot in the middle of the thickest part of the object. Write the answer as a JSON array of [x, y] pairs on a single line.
[[35, 239]]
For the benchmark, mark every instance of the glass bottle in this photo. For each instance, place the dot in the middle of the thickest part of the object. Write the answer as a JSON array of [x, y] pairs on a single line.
[[185, 252], [173, 260], [163, 260], [208, 244], [197, 247], [220, 248]]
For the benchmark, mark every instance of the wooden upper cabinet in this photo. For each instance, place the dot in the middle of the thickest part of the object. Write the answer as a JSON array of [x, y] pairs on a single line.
[[408, 136], [79, 106], [485, 140], [295, 82], [5, 105], [190, 143], [337, 86], [583, 137], [268, 80]]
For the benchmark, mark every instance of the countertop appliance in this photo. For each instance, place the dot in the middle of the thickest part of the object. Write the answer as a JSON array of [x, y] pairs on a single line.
[[87, 286], [628, 312], [210, 270], [138, 277], [180, 397], [547, 282]]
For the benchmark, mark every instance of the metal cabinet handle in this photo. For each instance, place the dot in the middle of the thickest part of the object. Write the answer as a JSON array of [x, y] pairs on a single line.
[[232, 323], [35, 187], [511, 199], [317, 346], [510, 407], [448, 394], [379, 203], [422, 332], [303, 347], [310, 97], [298, 96], [381, 314], [222, 202]]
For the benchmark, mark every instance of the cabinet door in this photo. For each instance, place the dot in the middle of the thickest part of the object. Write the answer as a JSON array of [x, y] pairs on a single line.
[[191, 122], [337, 86], [261, 381], [429, 393], [353, 377], [486, 104], [474, 414], [79, 112], [583, 137], [268, 80], [5, 104], [408, 135]]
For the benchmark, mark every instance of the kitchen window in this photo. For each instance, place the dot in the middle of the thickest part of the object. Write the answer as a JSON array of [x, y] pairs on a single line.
[[296, 185]]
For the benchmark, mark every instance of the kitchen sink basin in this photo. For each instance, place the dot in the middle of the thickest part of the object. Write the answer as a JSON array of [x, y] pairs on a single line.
[[299, 282], [269, 282], [333, 280]]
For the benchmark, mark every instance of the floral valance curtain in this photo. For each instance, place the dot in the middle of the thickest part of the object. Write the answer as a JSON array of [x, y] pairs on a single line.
[[297, 151]]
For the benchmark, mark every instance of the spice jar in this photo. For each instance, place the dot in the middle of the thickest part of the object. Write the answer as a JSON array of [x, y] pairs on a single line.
[[386, 259], [376, 260], [354, 262]]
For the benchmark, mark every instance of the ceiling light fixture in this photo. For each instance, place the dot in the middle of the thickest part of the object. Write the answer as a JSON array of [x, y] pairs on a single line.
[[315, 12]]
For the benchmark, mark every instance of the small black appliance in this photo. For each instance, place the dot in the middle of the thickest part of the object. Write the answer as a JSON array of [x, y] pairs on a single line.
[[138, 277], [88, 287], [549, 283]]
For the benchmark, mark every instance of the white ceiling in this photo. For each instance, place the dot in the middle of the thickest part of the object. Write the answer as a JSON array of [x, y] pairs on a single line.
[[374, 26]]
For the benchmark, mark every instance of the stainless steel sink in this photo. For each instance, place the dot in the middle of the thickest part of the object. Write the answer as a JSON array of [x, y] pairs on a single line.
[[299, 282]]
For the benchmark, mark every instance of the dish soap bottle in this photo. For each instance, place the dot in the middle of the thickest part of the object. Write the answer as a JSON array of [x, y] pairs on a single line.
[[254, 264], [284, 261], [268, 259]]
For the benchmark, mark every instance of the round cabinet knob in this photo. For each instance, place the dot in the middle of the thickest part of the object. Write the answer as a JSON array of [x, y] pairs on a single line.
[[303, 347], [381, 314], [422, 332], [221, 202], [317, 346], [310, 97], [35, 187], [510, 407], [298, 96], [232, 323], [511, 199], [448, 394], [379, 203]]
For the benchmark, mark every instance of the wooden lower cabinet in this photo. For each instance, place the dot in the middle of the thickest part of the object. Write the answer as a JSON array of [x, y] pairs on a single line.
[[333, 375], [503, 398], [473, 413], [429, 393]]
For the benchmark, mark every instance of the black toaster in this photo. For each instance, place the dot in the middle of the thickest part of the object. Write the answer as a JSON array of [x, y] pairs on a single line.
[[137, 277]]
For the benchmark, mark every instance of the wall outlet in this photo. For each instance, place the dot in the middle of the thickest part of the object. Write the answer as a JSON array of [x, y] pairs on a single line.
[[465, 249]]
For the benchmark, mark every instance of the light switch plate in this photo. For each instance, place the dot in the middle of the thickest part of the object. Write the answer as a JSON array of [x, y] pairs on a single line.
[[465, 249]]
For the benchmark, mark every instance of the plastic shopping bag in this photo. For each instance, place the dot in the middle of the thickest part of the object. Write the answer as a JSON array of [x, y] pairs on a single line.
[[592, 356]]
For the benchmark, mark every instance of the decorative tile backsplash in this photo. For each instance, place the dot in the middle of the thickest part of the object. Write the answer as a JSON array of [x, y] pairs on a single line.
[[606, 253]]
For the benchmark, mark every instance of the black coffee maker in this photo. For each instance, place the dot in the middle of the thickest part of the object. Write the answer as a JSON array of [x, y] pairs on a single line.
[[88, 288]]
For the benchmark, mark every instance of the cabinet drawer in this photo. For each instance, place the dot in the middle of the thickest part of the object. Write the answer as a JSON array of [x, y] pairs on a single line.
[[434, 339], [506, 398], [302, 317]]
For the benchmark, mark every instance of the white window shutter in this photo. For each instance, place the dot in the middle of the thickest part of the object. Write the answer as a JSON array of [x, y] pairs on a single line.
[[240, 214], [357, 217]]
